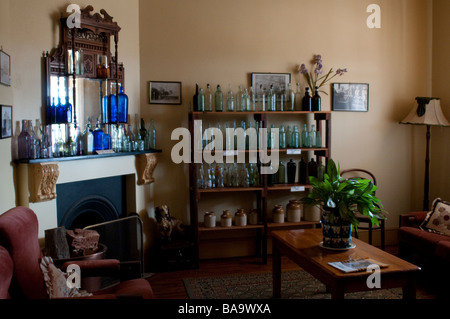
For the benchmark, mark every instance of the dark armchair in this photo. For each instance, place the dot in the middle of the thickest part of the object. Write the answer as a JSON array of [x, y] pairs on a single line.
[[19, 237]]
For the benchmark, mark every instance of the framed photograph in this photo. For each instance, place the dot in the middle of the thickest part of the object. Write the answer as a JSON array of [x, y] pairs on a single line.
[[353, 97], [6, 120], [278, 80], [5, 68], [161, 92]]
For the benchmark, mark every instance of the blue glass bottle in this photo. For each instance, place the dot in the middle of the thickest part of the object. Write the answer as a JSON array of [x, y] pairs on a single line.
[[68, 110], [98, 137], [123, 106], [112, 99], [51, 112], [61, 114], [106, 109]]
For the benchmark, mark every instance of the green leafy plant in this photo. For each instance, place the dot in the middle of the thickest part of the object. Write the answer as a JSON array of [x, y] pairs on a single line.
[[345, 197]]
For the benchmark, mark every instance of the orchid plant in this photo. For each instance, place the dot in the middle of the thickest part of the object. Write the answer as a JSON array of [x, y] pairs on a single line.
[[316, 78]]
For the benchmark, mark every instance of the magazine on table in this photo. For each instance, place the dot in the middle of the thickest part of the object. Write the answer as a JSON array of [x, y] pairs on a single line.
[[354, 265]]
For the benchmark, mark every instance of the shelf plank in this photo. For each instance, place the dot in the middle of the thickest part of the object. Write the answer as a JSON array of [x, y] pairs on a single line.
[[286, 224], [279, 187], [202, 228], [229, 189]]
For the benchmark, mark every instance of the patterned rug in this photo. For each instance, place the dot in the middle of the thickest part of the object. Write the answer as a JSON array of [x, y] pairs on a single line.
[[295, 284]]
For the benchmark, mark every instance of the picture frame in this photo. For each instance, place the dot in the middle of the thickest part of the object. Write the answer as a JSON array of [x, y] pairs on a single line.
[[278, 80], [5, 68], [350, 97], [165, 92], [6, 121]]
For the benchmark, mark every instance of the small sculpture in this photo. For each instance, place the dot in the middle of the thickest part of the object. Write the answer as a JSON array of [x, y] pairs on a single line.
[[168, 226]]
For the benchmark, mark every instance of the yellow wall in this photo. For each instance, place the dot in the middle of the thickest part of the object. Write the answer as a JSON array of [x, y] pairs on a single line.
[[440, 151], [222, 42]]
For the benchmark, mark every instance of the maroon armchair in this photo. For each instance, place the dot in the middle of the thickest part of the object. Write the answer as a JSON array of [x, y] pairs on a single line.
[[19, 236], [6, 272]]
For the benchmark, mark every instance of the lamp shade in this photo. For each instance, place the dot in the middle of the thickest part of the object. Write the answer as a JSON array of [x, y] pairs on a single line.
[[427, 112]]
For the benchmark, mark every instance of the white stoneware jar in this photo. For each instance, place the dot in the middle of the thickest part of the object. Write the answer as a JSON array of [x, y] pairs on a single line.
[[240, 218], [226, 220], [210, 219]]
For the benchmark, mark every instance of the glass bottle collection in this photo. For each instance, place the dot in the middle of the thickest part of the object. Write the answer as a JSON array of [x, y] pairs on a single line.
[[46, 141], [255, 99], [289, 136]]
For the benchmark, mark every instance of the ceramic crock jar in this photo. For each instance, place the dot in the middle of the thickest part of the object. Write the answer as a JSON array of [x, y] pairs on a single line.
[[240, 217], [226, 220], [278, 214], [253, 217], [210, 219], [294, 211]]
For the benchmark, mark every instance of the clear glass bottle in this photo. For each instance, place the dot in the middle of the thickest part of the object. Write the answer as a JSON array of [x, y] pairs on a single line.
[[35, 148], [282, 133], [295, 143], [312, 136], [316, 103], [46, 142], [208, 99], [78, 142], [288, 136], [200, 176], [318, 139], [230, 100], [201, 100], [298, 98], [305, 136], [261, 95], [218, 99], [281, 99], [129, 134], [271, 100], [245, 102], [320, 171], [253, 99], [290, 98], [306, 101], [24, 142], [152, 134], [239, 95]]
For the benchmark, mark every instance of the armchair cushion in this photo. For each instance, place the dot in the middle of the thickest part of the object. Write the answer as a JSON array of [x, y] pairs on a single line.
[[6, 272], [438, 219]]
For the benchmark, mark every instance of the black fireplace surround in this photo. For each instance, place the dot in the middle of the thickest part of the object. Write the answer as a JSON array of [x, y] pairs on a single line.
[[90, 202]]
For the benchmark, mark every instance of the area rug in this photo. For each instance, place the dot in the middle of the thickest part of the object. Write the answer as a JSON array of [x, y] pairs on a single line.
[[295, 284]]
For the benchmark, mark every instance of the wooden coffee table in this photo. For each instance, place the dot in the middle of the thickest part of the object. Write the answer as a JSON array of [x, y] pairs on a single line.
[[302, 247]]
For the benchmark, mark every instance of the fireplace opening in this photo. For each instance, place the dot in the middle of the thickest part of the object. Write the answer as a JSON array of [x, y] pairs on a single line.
[[90, 202]]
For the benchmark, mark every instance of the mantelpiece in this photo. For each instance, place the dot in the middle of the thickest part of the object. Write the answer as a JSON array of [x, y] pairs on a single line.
[[41, 175]]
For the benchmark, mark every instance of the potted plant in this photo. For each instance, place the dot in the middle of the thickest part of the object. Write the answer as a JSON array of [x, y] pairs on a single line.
[[341, 199]]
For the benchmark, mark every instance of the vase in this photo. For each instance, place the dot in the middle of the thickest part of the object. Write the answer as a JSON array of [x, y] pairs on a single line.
[[336, 231]]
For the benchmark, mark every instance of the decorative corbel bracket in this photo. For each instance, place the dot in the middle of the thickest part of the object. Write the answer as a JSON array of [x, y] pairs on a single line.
[[145, 165], [43, 181]]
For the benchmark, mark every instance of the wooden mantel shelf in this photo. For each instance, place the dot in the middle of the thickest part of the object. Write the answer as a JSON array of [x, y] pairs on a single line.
[[45, 172]]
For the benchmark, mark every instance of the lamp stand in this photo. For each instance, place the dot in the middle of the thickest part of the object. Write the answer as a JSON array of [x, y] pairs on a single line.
[[427, 170]]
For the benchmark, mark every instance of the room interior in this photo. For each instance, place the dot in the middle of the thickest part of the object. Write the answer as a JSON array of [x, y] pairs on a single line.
[[201, 42]]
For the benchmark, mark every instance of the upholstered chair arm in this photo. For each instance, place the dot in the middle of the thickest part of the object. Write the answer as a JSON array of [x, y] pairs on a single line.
[[412, 219]]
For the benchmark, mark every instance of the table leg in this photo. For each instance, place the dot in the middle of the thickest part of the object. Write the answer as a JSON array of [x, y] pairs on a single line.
[[276, 272]]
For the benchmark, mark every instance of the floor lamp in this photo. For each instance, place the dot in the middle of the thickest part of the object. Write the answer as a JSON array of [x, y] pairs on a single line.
[[427, 112]]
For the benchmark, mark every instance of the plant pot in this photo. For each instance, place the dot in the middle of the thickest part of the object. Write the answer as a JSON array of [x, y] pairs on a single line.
[[337, 232]]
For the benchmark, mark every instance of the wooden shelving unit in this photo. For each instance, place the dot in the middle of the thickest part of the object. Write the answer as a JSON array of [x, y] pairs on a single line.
[[264, 192]]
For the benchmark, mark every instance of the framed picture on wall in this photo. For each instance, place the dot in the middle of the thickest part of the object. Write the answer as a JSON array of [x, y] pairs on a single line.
[[6, 121], [5, 68], [278, 80], [352, 97], [163, 92]]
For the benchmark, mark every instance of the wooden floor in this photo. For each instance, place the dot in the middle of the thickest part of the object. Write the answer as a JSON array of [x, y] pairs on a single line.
[[169, 285]]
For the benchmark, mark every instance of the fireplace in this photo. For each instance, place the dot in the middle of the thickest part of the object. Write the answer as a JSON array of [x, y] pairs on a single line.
[[89, 202]]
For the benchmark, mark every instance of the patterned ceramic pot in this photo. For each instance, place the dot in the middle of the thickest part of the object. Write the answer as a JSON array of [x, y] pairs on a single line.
[[337, 233]]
